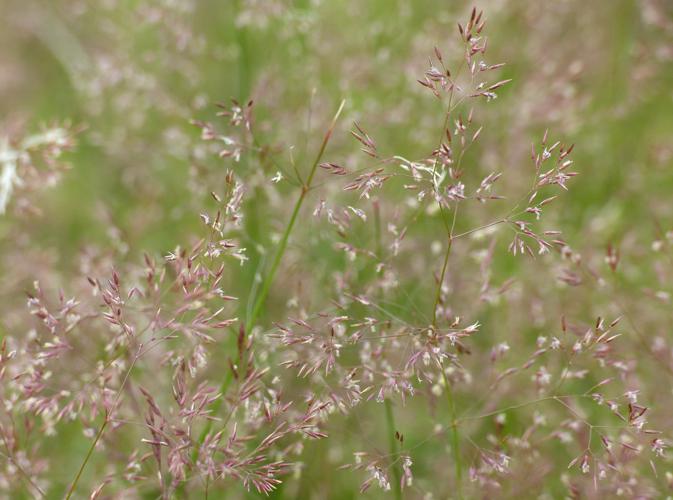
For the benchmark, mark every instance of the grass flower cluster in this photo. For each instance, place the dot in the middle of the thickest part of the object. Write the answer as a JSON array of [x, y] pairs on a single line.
[[295, 295]]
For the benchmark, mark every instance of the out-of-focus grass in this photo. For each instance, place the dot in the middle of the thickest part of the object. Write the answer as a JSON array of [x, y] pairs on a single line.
[[367, 53], [613, 145]]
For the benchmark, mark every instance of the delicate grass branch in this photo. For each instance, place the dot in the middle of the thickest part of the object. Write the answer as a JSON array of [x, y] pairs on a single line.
[[73, 486], [455, 437], [108, 416], [390, 420], [278, 256], [282, 245]]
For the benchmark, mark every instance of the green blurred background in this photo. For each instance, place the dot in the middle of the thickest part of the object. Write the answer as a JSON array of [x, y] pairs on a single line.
[[598, 74]]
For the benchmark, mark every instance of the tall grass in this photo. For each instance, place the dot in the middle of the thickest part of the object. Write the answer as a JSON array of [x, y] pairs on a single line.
[[383, 300]]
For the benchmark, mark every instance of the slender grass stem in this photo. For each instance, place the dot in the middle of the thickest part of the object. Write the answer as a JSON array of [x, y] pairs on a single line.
[[282, 245], [455, 437], [108, 416], [390, 415], [454, 433], [268, 279], [21, 470], [390, 420], [438, 293], [71, 490]]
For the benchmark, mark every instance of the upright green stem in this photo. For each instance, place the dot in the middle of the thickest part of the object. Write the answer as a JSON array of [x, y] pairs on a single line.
[[280, 250], [390, 415], [71, 490], [438, 293], [99, 435], [268, 279], [455, 436], [243, 58], [397, 478], [377, 229]]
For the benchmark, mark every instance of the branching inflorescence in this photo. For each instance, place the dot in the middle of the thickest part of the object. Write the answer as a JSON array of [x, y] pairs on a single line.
[[182, 382]]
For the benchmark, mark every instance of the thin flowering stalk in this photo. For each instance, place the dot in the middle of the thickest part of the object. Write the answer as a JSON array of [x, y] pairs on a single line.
[[445, 264], [21, 470], [390, 420], [108, 414], [377, 230], [455, 437], [438, 292], [71, 490], [390, 415], [280, 251]]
